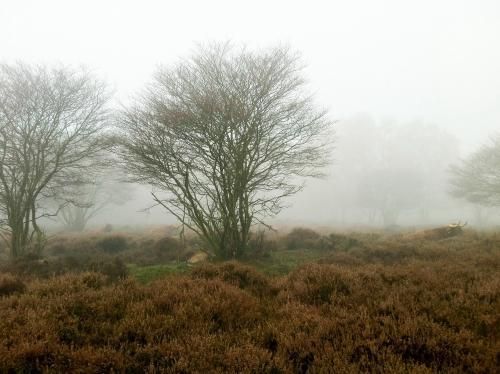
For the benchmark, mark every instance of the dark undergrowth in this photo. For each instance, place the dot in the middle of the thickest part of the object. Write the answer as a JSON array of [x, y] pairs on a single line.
[[374, 304]]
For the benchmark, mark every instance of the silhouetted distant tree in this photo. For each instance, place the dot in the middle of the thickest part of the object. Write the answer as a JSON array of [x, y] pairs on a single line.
[[389, 192], [107, 188], [477, 178]]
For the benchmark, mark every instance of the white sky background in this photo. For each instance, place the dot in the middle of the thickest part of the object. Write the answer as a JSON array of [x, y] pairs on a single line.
[[433, 60], [438, 61]]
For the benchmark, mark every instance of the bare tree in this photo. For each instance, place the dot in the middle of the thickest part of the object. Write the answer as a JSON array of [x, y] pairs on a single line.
[[77, 213], [477, 178], [51, 124], [389, 192], [107, 189], [381, 177], [225, 134]]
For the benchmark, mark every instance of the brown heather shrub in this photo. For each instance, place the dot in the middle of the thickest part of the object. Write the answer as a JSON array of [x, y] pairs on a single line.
[[261, 244], [10, 285], [159, 251], [236, 274], [383, 308], [114, 269], [36, 267], [302, 238], [339, 242], [72, 244], [168, 244], [318, 284], [206, 305], [136, 248], [112, 244], [341, 258]]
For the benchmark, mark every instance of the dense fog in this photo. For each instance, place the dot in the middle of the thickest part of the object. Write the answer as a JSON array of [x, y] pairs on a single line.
[[383, 174], [413, 88], [266, 186], [377, 178]]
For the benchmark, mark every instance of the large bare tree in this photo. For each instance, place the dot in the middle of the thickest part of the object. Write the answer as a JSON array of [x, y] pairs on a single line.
[[51, 130], [477, 178], [223, 137]]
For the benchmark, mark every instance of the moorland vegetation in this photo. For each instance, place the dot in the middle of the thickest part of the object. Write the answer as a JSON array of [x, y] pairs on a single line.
[[305, 302]]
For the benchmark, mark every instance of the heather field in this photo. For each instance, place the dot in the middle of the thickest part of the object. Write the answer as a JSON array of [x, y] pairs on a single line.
[[302, 302]]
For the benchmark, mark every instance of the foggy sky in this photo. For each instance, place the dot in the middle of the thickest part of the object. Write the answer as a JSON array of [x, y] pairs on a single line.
[[435, 61], [432, 61]]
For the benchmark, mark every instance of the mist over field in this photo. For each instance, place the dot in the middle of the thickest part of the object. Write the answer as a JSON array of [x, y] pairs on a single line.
[[378, 67], [373, 162], [252, 187]]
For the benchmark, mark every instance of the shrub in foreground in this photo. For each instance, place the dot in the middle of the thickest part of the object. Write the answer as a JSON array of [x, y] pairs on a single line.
[[10, 285], [236, 274], [436, 316], [386, 306]]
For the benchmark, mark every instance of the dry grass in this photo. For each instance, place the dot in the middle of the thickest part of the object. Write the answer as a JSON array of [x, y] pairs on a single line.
[[381, 305]]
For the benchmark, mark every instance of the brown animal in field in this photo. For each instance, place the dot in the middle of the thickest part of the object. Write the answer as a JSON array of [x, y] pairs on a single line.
[[438, 233]]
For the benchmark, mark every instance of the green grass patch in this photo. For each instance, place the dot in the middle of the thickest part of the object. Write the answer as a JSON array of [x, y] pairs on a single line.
[[284, 261], [277, 263], [146, 274]]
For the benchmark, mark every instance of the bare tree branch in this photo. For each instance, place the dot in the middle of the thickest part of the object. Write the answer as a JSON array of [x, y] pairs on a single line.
[[226, 134], [52, 123]]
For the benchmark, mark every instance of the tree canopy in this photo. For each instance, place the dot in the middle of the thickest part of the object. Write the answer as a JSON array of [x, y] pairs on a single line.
[[224, 135], [477, 178], [51, 126]]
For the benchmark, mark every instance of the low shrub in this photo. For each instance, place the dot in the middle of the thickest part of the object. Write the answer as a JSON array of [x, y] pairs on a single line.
[[32, 265], [260, 245], [153, 252], [37, 267], [318, 284], [236, 274], [383, 305], [341, 258], [302, 238], [114, 269], [338, 242], [113, 244], [10, 284], [440, 317], [168, 244]]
